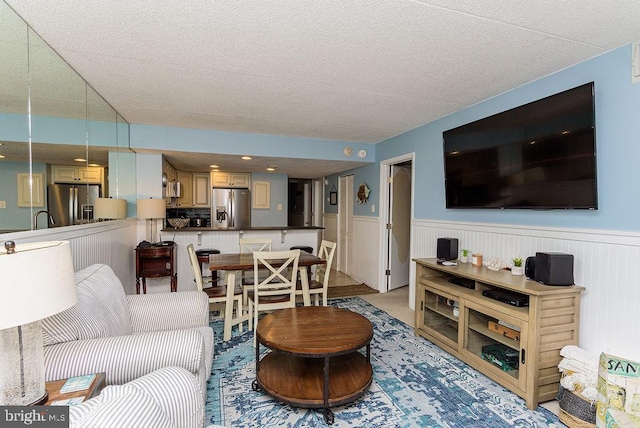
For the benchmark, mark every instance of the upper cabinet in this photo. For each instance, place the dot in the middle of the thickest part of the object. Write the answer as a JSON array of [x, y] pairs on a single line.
[[201, 190], [186, 194], [77, 174], [230, 179]]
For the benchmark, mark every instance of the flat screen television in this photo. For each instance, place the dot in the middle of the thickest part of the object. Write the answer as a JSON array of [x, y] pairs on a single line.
[[541, 155]]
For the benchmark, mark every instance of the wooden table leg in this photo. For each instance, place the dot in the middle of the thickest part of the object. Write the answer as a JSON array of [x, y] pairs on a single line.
[[304, 279], [228, 306], [138, 285]]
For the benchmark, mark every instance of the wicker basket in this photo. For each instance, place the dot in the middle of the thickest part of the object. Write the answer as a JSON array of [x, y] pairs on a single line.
[[575, 411]]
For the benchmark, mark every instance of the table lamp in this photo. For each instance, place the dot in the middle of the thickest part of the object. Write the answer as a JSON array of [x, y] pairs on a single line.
[[110, 209], [38, 281], [151, 210]]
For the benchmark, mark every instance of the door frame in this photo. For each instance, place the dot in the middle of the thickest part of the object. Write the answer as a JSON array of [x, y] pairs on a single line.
[[385, 167]]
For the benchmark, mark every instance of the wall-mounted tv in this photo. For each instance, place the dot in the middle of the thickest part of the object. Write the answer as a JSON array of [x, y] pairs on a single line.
[[541, 155]]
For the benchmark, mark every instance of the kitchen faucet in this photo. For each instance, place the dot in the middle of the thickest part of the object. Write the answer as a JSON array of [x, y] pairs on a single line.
[[52, 222]]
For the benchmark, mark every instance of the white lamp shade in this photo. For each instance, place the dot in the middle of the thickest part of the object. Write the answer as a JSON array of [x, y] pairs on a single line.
[[109, 208], [38, 280], [151, 208]]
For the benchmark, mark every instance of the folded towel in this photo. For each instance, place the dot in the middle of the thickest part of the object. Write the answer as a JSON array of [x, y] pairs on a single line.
[[575, 353]]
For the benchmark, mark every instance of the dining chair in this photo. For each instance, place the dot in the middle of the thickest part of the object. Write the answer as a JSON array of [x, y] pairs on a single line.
[[319, 284], [278, 289], [249, 245], [219, 294]]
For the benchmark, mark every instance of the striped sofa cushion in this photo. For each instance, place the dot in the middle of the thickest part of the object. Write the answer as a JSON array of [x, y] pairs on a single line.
[[101, 310], [170, 394]]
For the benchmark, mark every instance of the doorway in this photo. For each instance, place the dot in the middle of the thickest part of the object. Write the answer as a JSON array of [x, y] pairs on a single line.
[[300, 202], [396, 217]]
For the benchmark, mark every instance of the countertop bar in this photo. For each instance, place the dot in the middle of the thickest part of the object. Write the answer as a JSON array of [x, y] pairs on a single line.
[[235, 229]]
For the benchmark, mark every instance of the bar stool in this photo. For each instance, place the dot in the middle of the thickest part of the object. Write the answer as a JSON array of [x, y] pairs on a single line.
[[306, 249], [203, 258]]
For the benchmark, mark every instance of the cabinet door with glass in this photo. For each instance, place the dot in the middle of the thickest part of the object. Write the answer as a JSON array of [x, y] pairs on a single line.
[[439, 316], [497, 343]]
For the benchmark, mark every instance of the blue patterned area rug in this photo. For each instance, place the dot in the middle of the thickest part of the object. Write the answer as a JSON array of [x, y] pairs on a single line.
[[415, 384]]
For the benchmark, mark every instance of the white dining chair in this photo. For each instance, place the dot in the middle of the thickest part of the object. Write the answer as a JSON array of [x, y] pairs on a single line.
[[320, 282], [278, 289], [230, 301], [249, 245]]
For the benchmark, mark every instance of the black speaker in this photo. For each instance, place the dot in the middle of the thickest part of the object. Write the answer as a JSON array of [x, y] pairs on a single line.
[[530, 267], [554, 268], [447, 249]]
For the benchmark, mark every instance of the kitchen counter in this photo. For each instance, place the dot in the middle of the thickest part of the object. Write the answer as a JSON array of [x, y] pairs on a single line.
[[236, 229]]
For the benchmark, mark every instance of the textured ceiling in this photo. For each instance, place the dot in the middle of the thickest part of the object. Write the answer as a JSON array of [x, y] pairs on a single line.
[[357, 70]]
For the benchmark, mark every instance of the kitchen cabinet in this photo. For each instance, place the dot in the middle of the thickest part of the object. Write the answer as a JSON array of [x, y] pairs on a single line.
[[186, 194], [201, 190], [77, 174], [30, 186], [230, 179], [516, 346]]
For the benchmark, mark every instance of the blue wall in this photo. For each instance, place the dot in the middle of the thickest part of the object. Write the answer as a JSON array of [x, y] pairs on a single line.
[[211, 141], [279, 189], [617, 141]]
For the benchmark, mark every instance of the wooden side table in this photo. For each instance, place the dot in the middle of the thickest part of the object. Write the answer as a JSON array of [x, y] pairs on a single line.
[[53, 388], [155, 262]]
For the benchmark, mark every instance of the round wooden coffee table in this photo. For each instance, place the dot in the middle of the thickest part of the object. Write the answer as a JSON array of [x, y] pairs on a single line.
[[314, 360]]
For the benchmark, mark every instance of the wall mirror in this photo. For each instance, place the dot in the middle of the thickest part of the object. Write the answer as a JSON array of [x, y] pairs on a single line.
[[50, 117]]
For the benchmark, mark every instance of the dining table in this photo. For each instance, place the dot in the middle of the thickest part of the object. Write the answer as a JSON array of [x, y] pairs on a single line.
[[235, 263]]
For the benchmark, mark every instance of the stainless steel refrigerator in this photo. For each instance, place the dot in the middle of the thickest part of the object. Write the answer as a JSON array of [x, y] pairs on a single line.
[[72, 203], [230, 208]]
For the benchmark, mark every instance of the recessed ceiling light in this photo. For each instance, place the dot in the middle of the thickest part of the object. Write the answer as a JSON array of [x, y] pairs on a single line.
[[93, 164], [1, 156], [533, 142], [565, 132], [271, 168], [246, 158], [80, 160], [214, 166], [215, 170]]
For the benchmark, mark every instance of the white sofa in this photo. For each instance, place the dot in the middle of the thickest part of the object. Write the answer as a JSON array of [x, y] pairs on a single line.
[[166, 398], [127, 336]]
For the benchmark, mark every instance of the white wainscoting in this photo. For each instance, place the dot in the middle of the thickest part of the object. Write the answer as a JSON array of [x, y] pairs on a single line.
[[365, 250], [330, 227], [605, 262], [110, 242]]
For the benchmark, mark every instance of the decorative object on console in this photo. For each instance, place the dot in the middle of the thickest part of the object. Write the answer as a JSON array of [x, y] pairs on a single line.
[[151, 210], [40, 282], [110, 209], [476, 259], [464, 258], [517, 268], [447, 249], [363, 193], [494, 263]]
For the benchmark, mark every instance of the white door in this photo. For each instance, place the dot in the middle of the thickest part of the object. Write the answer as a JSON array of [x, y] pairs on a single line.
[[345, 223], [399, 230]]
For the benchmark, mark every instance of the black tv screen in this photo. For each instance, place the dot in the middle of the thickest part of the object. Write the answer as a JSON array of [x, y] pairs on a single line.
[[541, 155]]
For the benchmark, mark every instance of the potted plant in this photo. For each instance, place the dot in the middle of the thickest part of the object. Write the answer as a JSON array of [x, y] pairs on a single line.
[[464, 258], [517, 268]]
